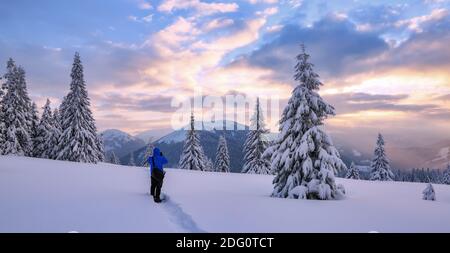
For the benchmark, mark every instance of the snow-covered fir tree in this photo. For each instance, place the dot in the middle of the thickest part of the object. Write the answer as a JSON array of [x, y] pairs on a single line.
[[1, 87], [2, 120], [222, 163], [56, 119], [352, 172], [304, 158], [148, 152], [44, 133], [31, 115], [53, 140], [379, 168], [79, 141], [2, 132], [268, 154], [255, 145], [428, 193], [16, 107], [209, 165], [100, 148], [131, 162], [192, 156], [62, 107], [418, 175], [113, 158], [34, 128], [446, 176]]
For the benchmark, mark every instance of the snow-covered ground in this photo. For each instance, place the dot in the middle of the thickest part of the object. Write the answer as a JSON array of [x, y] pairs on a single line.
[[38, 195]]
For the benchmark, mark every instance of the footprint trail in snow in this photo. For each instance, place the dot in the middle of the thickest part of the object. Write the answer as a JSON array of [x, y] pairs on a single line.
[[179, 218]]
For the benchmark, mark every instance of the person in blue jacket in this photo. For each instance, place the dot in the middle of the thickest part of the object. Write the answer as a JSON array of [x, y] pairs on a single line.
[[157, 173]]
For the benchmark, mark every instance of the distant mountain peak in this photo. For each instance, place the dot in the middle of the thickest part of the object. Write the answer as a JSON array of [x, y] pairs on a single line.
[[120, 142], [114, 132], [179, 135]]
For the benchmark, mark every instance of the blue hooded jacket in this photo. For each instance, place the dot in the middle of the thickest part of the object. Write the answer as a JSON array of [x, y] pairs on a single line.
[[158, 160]]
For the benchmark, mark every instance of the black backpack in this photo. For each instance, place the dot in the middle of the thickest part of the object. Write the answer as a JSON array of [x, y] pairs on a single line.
[[156, 172]]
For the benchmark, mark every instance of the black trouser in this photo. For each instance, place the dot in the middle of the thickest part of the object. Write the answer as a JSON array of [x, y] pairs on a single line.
[[157, 182]]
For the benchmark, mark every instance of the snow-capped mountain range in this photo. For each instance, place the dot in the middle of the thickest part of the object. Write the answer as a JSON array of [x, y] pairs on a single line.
[[120, 142], [429, 156], [435, 155], [172, 144], [179, 135], [153, 134]]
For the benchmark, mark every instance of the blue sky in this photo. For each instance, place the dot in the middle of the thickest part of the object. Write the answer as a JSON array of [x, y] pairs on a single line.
[[384, 63], [73, 23]]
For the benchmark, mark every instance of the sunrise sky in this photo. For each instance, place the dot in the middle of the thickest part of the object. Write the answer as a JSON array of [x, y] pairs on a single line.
[[385, 64]]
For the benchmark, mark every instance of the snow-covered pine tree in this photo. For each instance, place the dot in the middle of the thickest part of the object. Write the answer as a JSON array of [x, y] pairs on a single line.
[[15, 105], [148, 152], [222, 163], [56, 119], [255, 145], [352, 172], [34, 127], [100, 148], [268, 154], [192, 156], [1, 88], [2, 132], [428, 193], [2, 120], [43, 133], [435, 176], [31, 115], [79, 141], [131, 162], [62, 106], [446, 175], [303, 157], [113, 158], [380, 169], [209, 165], [53, 140]]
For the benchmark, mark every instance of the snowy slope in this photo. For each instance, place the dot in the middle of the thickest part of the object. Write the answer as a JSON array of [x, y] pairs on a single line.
[[39, 195], [173, 137], [117, 136], [442, 158], [241, 202]]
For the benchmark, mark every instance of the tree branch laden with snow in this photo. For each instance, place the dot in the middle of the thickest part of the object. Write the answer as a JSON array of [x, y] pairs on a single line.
[[304, 158]]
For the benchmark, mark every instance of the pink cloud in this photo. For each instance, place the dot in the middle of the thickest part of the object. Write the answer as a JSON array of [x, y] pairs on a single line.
[[416, 23], [218, 23], [144, 5], [202, 8], [263, 1], [268, 12]]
